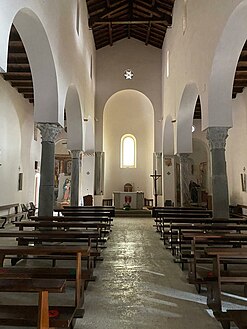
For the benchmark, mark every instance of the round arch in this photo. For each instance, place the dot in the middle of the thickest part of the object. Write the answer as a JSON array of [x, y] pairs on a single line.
[[223, 69], [74, 119], [128, 112], [185, 119], [168, 136], [89, 139], [35, 40]]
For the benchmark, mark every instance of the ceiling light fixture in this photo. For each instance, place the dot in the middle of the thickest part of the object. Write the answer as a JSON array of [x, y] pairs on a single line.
[[128, 74]]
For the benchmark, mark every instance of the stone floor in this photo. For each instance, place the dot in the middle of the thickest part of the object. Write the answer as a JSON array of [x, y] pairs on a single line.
[[139, 286]]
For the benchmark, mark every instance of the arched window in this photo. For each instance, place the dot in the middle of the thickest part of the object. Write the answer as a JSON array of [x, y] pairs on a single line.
[[128, 151]]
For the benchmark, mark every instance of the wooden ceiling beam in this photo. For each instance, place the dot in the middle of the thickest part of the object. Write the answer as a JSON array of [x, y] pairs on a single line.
[[17, 76], [25, 89], [237, 89], [130, 17], [20, 68], [21, 83], [125, 21], [240, 83], [153, 10], [113, 10], [28, 95]]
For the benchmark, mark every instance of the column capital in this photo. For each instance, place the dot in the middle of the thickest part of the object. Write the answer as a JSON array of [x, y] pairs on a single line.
[[183, 156], [217, 137], [99, 154], [75, 154], [158, 154], [49, 131]]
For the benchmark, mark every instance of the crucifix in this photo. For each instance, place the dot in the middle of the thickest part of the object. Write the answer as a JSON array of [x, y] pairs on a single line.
[[155, 178]]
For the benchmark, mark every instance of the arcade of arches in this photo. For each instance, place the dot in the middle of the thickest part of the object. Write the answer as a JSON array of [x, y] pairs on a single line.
[[66, 101]]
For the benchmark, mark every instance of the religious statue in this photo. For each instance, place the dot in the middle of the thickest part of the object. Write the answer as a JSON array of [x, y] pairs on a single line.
[[66, 190], [193, 191]]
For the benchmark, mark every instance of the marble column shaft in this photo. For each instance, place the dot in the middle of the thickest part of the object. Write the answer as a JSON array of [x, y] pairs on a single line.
[[75, 171], [49, 131], [184, 179], [99, 173], [157, 165], [217, 142]]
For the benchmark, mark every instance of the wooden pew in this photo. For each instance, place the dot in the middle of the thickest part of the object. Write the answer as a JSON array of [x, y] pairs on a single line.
[[179, 210], [81, 218], [161, 217], [83, 238], [110, 209], [166, 222], [11, 213], [102, 228], [197, 256], [239, 317], [87, 209], [26, 315], [54, 251], [177, 229]]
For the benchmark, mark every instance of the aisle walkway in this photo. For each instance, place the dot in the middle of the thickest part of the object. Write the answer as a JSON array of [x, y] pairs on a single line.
[[139, 286]]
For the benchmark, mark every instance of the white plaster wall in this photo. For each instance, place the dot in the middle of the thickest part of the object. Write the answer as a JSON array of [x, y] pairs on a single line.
[[201, 153], [128, 112], [17, 145], [169, 179], [192, 52], [145, 62], [236, 155], [191, 55], [72, 52], [87, 178]]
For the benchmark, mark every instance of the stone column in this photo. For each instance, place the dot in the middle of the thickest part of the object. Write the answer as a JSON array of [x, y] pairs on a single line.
[[49, 132], [217, 142], [75, 171], [185, 175], [99, 173], [157, 165]]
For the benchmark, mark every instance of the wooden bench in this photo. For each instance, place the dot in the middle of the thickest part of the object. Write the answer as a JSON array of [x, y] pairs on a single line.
[[39, 316], [86, 237], [102, 228], [79, 218], [179, 209], [161, 217], [53, 251], [177, 229], [214, 287], [210, 239], [13, 213], [238, 317], [110, 209], [50, 237], [239, 210]]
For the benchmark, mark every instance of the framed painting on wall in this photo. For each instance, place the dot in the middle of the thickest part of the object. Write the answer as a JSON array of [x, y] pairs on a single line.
[[243, 182]]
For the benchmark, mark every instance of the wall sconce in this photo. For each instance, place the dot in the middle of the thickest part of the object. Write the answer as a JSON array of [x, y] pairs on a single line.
[[85, 119]]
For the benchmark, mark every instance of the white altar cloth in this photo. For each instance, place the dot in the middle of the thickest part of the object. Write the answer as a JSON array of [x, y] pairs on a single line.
[[136, 199]]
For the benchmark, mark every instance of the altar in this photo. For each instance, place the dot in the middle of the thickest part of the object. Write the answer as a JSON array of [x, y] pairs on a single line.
[[134, 199]]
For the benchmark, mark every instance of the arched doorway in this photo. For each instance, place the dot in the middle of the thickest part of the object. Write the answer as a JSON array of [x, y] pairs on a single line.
[[128, 112]]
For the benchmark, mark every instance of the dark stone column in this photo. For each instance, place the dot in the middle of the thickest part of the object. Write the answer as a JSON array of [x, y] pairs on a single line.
[[74, 199], [49, 132], [99, 173], [184, 179], [217, 142]]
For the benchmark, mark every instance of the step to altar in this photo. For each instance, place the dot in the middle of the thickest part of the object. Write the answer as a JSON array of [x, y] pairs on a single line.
[[133, 213]]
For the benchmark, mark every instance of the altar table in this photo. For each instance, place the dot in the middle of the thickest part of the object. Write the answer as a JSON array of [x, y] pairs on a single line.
[[134, 199]]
